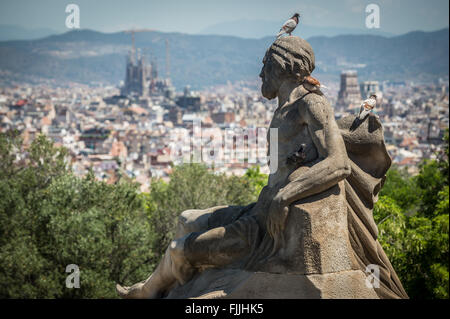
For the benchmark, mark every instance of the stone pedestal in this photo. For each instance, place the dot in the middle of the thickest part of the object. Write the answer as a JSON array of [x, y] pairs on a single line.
[[239, 284], [316, 235]]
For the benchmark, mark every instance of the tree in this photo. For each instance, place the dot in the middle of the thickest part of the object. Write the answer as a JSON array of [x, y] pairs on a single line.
[[413, 220], [402, 189], [23, 234], [256, 179], [50, 218]]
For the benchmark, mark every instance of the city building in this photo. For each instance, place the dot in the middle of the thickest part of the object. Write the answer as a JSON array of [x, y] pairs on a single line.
[[349, 94], [141, 78], [368, 88], [136, 75]]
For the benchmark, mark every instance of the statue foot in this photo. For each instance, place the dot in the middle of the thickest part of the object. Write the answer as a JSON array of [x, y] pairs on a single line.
[[137, 291], [133, 292]]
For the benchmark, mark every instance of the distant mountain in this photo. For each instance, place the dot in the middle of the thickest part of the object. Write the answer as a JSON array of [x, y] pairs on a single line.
[[204, 60], [13, 32], [416, 56], [256, 29]]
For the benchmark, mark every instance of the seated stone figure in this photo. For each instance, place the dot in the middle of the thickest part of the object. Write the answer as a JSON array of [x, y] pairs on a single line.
[[311, 233]]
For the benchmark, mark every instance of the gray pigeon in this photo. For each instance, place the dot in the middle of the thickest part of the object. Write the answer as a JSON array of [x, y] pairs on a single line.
[[289, 25]]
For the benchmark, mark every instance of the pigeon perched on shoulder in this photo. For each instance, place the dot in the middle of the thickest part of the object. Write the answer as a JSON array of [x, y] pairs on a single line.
[[367, 106], [289, 25], [312, 84]]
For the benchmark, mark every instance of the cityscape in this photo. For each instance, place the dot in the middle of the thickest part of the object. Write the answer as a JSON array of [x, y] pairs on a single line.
[[139, 129]]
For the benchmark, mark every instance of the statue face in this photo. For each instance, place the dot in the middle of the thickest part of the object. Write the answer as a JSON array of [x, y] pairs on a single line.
[[270, 82]]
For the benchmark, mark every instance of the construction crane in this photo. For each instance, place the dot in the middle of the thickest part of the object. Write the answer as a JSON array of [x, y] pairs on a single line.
[[167, 60]]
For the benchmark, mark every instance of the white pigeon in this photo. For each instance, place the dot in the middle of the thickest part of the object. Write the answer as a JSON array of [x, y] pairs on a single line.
[[367, 106], [289, 25]]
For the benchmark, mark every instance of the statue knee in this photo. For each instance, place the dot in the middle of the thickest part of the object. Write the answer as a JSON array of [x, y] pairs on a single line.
[[191, 221], [185, 221]]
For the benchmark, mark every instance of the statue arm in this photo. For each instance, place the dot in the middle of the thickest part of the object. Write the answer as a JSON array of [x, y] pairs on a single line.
[[332, 166]]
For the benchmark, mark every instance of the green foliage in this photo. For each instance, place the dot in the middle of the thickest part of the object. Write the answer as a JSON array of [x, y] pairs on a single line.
[[257, 179], [50, 219], [101, 228], [413, 221], [431, 182], [403, 190], [391, 223], [417, 248]]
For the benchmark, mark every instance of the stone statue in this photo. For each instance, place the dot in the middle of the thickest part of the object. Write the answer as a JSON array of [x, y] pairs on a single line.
[[311, 233]]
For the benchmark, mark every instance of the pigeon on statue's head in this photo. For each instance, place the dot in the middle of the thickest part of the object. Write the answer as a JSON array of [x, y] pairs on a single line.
[[367, 106], [289, 25]]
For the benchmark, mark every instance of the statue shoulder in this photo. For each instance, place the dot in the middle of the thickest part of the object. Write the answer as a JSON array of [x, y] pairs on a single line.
[[316, 105]]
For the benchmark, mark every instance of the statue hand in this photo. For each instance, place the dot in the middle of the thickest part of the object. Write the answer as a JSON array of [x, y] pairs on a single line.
[[276, 218]]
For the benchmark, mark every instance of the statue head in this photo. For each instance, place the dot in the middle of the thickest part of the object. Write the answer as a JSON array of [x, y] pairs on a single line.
[[288, 59]]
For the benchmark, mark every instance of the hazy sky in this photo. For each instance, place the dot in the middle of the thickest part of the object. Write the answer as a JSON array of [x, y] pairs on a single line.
[[192, 16]]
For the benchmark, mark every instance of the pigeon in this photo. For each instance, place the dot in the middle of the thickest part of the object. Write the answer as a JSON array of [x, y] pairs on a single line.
[[312, 84], [289, 25], [297, 157], [367, 106]]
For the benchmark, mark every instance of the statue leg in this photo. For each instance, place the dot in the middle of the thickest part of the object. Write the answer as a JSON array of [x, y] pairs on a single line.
[[174, 266], [220, 246]]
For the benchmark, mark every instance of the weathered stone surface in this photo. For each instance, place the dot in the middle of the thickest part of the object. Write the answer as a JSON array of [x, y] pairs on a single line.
[[240, 284], [316, 235]]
